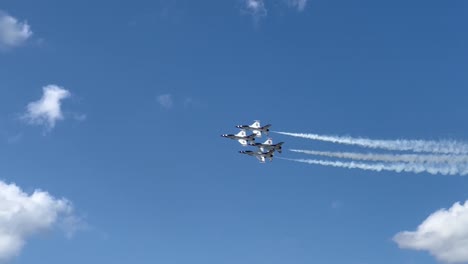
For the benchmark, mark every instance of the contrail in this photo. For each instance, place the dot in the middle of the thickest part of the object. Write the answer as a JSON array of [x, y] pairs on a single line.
[[397, 167], [443, 146], [411, 158]]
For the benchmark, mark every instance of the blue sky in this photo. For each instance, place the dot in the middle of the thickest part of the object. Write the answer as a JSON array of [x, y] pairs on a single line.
[[149, 178]]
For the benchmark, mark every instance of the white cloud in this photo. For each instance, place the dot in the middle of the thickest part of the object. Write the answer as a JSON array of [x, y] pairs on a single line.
[[47, 110], [165, 100], [444, 234], [299, 4], [23, 215], [12, 32], [255, 7]]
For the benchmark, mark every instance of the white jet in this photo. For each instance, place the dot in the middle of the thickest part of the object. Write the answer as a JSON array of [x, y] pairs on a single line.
[[256, 128], [261, 156], [268, 145], [241, 137]]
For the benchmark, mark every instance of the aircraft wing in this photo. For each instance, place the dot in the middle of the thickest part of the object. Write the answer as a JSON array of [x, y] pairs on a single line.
[[243, 142]]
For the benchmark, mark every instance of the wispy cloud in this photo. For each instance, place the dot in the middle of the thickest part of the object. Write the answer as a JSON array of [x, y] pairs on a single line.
[[23, 215], [13, 33], [79, 117], [188, 101], [11, 139], [444, 234], [165, 100], [47, 110], [336, 204], [298, 4], [256, 8]]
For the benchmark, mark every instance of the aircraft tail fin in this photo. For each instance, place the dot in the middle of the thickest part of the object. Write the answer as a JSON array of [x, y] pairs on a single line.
[[256, 124], [241, 133]]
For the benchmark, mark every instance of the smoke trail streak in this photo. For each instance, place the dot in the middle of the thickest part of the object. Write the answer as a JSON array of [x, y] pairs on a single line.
[[443, 146], [397, 167], [411, 158]]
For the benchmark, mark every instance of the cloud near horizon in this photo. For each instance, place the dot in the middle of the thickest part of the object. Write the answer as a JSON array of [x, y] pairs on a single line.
[[13, 33], [23, 215], [47, 110], [444, 234]]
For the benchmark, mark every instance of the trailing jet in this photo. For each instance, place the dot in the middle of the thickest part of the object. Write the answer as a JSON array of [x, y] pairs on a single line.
[[241, 137], [256, 128], [268, 145], [261, 156]]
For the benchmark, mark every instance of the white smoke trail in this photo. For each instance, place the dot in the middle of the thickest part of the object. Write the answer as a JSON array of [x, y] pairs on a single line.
[[443, 146], [454, 169], [411, 158]]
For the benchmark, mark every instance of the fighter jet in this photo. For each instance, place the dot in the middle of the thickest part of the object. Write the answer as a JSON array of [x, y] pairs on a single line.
[[256, 128], [241, 137], [261, 156], [268, 145]]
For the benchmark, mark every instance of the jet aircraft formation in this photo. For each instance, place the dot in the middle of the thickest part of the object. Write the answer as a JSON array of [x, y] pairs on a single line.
[[264, 150]]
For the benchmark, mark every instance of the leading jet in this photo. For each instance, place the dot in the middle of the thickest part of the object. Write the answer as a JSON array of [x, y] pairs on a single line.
[[241, 137], [261, 156], [256, 128], [268, 145]]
